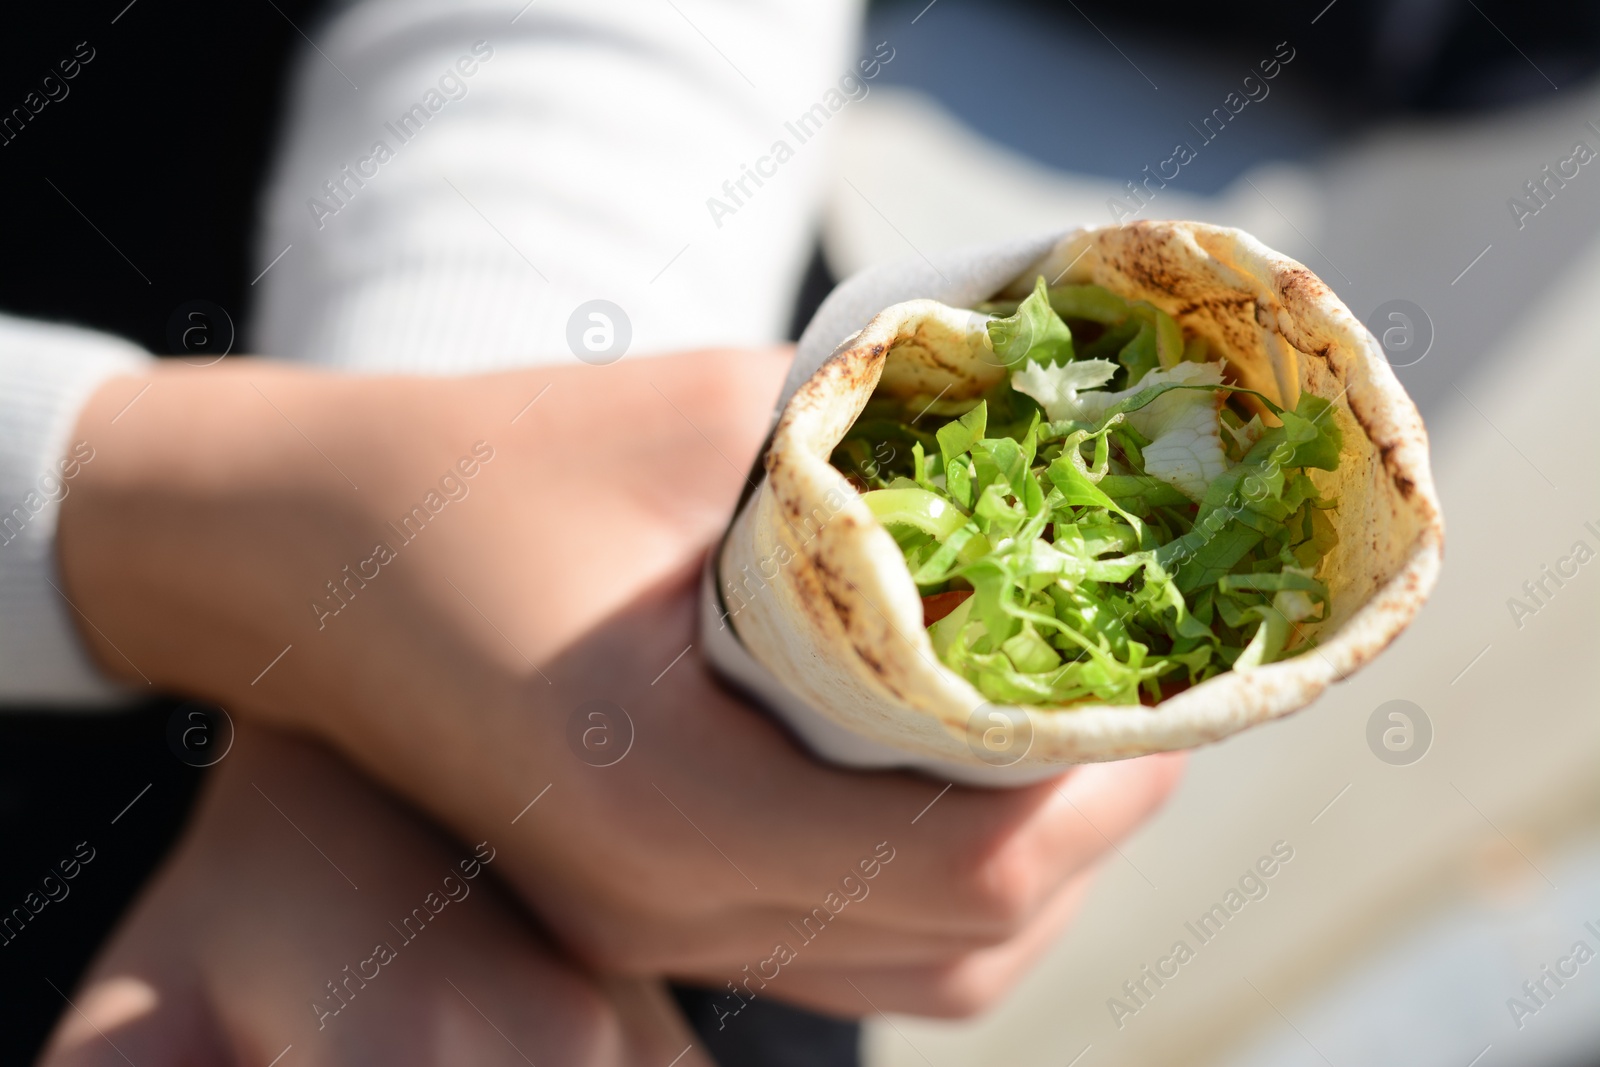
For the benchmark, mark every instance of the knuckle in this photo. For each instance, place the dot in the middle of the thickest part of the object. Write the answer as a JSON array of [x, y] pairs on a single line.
[[611, 950], [607, 944], [962, 990], [594, 1034], [602, 954], [1002, 888], [632, 939]]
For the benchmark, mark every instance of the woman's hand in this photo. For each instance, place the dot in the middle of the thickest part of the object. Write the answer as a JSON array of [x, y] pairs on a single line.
[[255, 939], [265, 537]]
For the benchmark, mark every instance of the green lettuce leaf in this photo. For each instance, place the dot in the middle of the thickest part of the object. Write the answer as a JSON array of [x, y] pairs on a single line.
[[1034, 332], [1113, 540]]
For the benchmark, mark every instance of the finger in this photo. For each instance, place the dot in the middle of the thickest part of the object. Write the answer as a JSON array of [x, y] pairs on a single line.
[[475, 1009], [654, 1028], [461, 979], [126, 1016], [801, 825], [957, 987], [472, 984], [943, 861], [986, 861], [1016, 852], [964, 859], [1016, 896]]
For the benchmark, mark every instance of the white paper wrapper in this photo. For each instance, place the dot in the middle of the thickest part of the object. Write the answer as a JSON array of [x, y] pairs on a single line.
[[960, 279]]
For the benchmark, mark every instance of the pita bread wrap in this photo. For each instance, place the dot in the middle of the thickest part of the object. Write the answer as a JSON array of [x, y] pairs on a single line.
[[810, 605]]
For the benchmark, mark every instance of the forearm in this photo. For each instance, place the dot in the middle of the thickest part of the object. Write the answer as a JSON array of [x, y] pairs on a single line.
[[215, 501], [248, 938], [238, 510]]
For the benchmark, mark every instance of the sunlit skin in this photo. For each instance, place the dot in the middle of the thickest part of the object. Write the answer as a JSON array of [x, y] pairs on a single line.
[[227, 956], [225, 499]]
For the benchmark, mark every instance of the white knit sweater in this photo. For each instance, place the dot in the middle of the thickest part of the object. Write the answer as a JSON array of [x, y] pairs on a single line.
[[457, 178]]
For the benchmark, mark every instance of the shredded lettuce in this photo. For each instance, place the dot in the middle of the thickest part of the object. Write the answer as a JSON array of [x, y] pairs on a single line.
[[1181, 425], [1120, 528]]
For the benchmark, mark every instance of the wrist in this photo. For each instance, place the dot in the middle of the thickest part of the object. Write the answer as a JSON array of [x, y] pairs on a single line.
[[180, 545]]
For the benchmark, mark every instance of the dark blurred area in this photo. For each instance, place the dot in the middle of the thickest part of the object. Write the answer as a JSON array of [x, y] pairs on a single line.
[[1347, 65], [71, 786], [1377, 57], [132, 193], [133, 190]]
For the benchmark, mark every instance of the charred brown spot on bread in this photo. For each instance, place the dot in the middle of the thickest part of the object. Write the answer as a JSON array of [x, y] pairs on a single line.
[[1216, 305], [1298, 285], [860, 366], [810, 593], [841, 607], [830, 578], [855, 369], [873, 663], [845, 611], [1301, 294], [1239, 337], [1363, 420], [1402, 481], [927, 344], [881, 672], [1144, 259], [844, 608]]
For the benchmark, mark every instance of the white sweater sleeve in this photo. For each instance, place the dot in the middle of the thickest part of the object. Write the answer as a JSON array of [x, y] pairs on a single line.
[[456, 178], [460, 177], [47, 374]]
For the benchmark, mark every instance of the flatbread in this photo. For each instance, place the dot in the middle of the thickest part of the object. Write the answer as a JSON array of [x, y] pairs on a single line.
[[819, 597]]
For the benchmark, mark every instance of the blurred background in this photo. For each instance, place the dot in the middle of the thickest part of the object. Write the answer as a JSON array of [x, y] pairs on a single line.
[[1422, 156], [1434, 875]]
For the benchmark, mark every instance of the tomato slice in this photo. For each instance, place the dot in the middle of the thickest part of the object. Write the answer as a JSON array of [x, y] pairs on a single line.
[[939, 605]]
